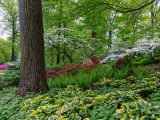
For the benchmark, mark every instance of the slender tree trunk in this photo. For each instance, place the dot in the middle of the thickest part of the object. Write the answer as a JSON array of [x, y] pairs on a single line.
[[152, 20], [69, 57], [58, 55], [59, 45], [110, 38], [13, 55], [33, 75], [65, 53]]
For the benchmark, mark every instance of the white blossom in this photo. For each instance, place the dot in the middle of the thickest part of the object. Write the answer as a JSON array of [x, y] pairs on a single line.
[[141, 47]]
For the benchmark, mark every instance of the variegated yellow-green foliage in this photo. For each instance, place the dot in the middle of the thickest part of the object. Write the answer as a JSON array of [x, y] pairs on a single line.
[[151, 83], [75, 104], [109, 99], [138, 110]]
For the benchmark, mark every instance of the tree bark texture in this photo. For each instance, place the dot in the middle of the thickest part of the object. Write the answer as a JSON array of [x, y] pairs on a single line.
[[33, 75]]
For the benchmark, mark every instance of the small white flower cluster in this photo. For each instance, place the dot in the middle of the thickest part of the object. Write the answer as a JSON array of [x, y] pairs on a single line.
[[141, 47]]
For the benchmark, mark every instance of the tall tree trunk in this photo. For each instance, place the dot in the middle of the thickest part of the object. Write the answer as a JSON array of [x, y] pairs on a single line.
[[33, 75], [65, 53], [58, 61], [110, 38], [59, 45], [152, 20], [13, 55], [58, 55]]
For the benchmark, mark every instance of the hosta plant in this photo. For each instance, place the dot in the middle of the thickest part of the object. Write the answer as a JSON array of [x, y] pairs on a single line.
[[75, 104]]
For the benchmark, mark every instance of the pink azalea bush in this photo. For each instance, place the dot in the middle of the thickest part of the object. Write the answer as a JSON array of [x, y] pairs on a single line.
[[3, 67]]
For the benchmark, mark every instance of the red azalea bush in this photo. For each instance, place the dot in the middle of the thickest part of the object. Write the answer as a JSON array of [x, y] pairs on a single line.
[[72, 67], [91, 63], [62, 71]]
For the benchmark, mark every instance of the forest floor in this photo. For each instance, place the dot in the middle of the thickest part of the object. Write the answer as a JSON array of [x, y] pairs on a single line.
[[120, 90], [136, 96]]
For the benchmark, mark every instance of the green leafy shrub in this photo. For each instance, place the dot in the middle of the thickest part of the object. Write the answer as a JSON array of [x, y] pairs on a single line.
[[13, 65], [10, 78], [140, 72], [142, 60], [5, 51], [82, 79], [10, 75], [122, 73], [145, 59], [156, 54], [10, 106]]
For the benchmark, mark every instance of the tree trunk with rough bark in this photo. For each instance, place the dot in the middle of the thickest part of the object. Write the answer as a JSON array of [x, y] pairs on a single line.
[[33, 75]]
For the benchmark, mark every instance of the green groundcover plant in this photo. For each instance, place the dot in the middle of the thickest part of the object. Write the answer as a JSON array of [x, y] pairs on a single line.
[[113, 99]]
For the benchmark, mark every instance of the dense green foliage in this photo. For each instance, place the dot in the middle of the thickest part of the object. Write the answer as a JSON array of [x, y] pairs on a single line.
[[147, 59], [75, 31], [5, 53], [10, 105], [83, 79], [9, 78], [113, 100], [86, 79], [101, 93]]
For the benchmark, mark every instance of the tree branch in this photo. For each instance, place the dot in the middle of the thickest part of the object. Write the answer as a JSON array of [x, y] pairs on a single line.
[[129, 10], [118, 8]]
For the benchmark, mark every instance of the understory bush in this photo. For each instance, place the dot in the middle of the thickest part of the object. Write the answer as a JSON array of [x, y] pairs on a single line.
[[151, 49], [147, 59], [74, 68], [9, 78], [83, 79], [13, 65]]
